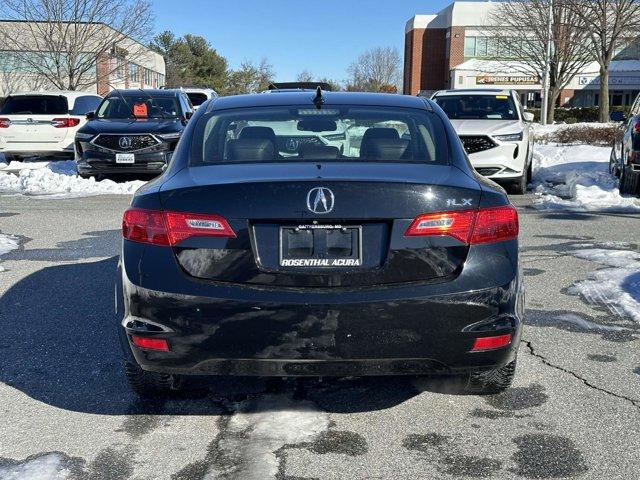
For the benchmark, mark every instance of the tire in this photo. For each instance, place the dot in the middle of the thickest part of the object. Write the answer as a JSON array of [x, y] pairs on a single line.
[[150, 385], [613, 168], [629, 184], [520, 185], [489, 382]]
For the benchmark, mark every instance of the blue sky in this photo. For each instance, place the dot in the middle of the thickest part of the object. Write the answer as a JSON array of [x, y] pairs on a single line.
[[322, 36]]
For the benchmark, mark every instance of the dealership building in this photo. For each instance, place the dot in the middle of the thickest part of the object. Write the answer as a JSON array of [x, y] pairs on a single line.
[[455, 48], [130, 64]]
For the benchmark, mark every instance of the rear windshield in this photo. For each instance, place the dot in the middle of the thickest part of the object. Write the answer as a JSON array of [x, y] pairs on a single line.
[[197, 99], [138, 106], [306, 134], [478, 107], [35, 105]]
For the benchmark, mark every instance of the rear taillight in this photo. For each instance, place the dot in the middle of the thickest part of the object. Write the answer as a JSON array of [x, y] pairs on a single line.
[[472, 227], [636, 127], [170, 228], [65, 122], [5, 122]]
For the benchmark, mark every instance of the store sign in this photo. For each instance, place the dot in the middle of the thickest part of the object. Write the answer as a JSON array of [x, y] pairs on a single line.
[[612, 80], [507, 80]]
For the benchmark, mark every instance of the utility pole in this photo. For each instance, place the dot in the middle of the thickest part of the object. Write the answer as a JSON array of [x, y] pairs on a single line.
[[547, 67]]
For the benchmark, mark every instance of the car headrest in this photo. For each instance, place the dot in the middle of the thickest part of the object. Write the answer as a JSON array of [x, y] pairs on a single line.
[[250, 149], [384, 149], [258, 132], [318, 152], [382, 144]]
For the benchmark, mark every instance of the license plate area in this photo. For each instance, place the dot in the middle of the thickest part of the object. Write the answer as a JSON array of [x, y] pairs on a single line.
[[125, 158], [320, 246]]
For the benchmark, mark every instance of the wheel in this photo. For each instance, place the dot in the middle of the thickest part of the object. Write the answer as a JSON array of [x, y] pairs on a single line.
[[520, 185], [150, 384], [613, 167], [489, 382]]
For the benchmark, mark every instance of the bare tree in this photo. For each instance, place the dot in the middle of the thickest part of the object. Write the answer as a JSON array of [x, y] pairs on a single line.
[[520, 42], [12, 81], [609, 24], [73, 43], [375, 70], [250, 77], [305, 76]]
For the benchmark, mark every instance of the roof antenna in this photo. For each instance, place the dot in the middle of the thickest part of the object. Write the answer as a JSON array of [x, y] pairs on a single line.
[[318, 100]]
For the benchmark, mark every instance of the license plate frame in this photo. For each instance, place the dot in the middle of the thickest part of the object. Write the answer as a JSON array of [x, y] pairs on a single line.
[[126, 158], [321, 258]]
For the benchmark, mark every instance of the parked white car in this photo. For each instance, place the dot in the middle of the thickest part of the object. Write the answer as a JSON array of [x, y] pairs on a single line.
[[198, 96], [495, 132], [43, 124]]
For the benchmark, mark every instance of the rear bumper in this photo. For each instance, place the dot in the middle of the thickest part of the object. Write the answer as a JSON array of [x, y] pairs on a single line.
[[235, 330], [62, 149]]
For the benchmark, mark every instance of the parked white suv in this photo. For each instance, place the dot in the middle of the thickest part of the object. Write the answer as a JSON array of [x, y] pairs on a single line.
[[198, 96], [495, 132], [43, 124]]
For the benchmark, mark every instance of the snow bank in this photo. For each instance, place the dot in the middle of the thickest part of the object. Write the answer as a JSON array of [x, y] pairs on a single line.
[[616, 288], [47, 467], [57, 180], [576, 178]]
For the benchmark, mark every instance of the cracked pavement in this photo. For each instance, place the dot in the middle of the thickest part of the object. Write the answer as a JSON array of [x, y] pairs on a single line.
[[573, 411]]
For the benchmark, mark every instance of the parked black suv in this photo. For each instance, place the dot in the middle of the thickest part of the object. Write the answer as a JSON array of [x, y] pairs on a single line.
[[625, 158], [132, 131]]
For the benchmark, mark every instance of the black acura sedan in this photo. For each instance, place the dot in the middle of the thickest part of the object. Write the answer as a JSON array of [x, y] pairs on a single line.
[[386, 255], [132, 131]]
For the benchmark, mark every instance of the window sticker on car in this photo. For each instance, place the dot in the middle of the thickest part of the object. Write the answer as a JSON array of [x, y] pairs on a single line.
[[140, 109], [502, 97]]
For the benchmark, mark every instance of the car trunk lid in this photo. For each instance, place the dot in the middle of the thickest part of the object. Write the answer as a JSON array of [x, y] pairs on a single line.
[[355, 237]]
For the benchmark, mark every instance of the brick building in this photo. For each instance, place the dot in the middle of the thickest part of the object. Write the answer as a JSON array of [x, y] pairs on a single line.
[[457, 48]]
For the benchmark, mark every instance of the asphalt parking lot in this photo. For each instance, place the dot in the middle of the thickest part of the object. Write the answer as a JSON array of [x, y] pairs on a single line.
[[574, 410]]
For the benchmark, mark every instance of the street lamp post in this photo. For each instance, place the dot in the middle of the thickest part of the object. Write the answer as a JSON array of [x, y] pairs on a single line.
[[547, 67]]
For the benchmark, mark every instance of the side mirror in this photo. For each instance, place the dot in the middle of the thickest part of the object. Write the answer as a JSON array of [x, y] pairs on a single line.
[[528, 117], [188, 115], [90, 115]]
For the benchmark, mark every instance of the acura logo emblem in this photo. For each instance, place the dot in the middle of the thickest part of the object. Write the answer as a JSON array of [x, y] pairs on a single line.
[[320, 200], [125, 142]]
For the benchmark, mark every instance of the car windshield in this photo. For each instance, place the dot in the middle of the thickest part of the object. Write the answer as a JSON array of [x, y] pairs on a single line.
[[196, 98], [478, 107], [138, 106], [307, 134], [35, 105]]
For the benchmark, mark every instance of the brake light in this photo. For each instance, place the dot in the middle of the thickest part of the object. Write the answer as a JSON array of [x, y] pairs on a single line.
[[158, 344], [67, 122], [458, 225], [472, 227], [170, 228], [495, 225], [5, 122], [636, 127], [491, 343]]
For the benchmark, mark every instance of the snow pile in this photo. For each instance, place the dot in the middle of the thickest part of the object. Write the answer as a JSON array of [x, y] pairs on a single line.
[[261, 427], [7, 243], [577, 178], [616, 288], [47, 467], [57, 180]]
